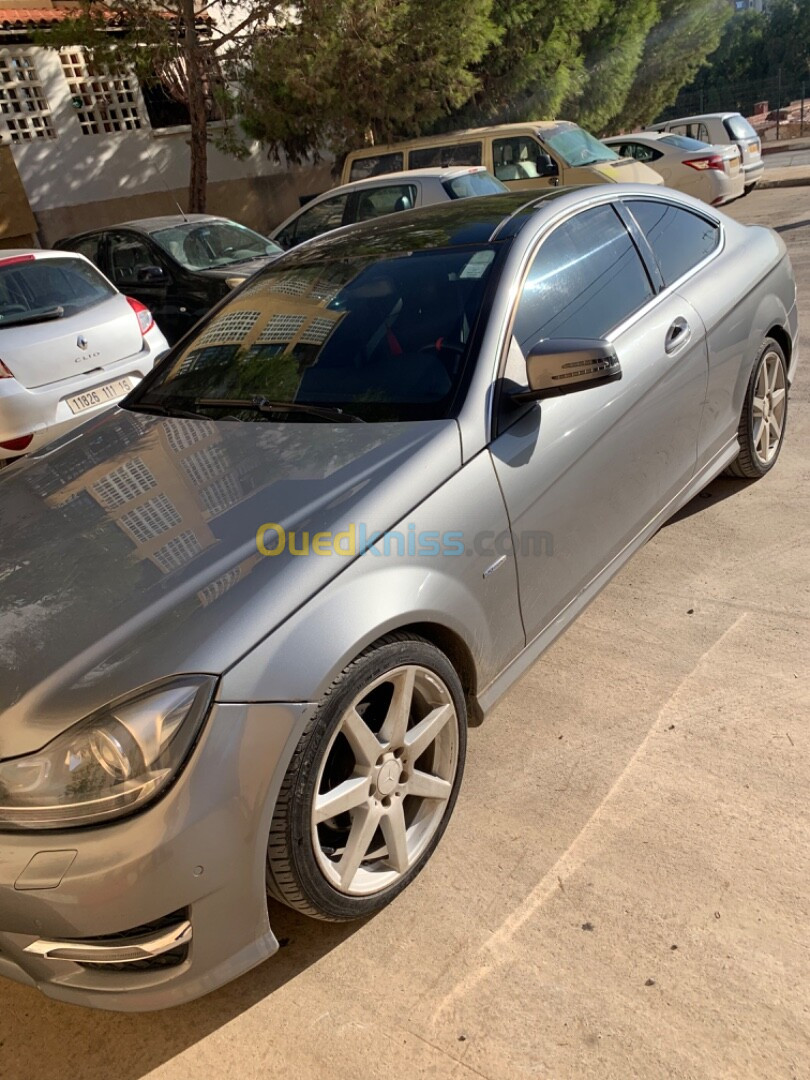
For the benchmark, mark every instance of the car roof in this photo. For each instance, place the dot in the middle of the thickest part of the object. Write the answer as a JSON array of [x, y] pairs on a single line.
[[448, 137], [446, 172], [637, 135], [479, 220], [168, 221], [700, 116], [8, 255]]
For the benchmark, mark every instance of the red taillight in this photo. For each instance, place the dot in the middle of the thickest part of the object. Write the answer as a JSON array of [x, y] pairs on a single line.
[[145, 320], [22, 443], [713, 162], [16, 259], [4, 372]]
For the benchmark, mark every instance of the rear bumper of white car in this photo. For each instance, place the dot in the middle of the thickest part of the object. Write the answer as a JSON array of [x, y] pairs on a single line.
[[44, 413], [753, 171]]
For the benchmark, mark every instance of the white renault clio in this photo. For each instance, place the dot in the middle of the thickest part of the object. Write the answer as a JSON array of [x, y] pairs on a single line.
[[70, 346]]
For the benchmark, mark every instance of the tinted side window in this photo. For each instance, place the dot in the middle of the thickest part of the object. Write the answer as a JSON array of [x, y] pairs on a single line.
[[374, 202], [516, 158], [129, 257], [587, 278], [430, 157], [320, 219], [88, 246], [376, 165], [679, 238]]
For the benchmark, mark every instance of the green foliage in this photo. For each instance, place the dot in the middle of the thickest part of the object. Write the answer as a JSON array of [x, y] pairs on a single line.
[[536, 61], [346, 71], [787, 37], [676, 47], [612, 52]]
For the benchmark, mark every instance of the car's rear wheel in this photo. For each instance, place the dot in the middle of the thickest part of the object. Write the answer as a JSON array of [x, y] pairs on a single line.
[[764, 415], [372, 783]]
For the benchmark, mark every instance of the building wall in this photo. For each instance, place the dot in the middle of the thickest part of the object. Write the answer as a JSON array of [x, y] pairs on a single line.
[[80, 179], [17, 224]]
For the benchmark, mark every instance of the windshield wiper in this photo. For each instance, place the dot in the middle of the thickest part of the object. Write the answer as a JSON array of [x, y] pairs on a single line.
[[45, 315], [263, 405], [165, 410]]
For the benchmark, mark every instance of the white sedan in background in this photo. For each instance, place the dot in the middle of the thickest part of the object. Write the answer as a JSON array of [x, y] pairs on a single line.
[[71, 345], [377, 196], [703, 170]]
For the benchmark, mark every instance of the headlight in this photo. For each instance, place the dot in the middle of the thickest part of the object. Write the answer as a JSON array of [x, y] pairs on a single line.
[[235, 282], [113, 762]]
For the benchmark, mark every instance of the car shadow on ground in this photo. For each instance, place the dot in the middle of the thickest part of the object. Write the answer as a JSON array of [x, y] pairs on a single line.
[[723, 487], [41, 1039]]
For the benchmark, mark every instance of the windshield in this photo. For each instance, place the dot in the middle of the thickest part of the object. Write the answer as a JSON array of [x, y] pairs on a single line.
[[37, 290], [207, 245], [474, 183], [576, 147], [739, 128], [683, 143], [379, 338]]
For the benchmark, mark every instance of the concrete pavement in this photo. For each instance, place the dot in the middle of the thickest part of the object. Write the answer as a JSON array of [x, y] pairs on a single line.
[[624, 890]]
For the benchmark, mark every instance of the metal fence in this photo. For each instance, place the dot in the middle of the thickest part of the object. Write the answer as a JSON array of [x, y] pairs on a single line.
[[780, 92]]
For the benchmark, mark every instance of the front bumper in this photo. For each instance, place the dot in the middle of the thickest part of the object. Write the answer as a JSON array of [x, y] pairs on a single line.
[[197, 857]]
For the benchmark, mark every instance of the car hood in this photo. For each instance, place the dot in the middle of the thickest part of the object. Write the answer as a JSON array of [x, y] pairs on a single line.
[[128, 552], [241, 269]]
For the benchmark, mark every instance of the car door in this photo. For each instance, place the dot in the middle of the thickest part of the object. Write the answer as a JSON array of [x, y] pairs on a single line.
[[313, 220], [686, 244], [379, 200], [139, 270], [521, 163], [584, 473]]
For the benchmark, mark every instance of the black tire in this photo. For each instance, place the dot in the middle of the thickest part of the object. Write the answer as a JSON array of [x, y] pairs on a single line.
[[749, 463], [294, 874]]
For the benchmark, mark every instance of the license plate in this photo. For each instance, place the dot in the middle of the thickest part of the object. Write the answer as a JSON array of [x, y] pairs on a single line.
[[100, 395]]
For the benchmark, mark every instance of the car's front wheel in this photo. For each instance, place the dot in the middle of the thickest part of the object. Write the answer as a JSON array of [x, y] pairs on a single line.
[[764, 415], [372, 783]]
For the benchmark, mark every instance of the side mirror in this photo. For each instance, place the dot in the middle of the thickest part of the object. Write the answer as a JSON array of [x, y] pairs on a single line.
[[547, 166], [150, 273], [562, 366]]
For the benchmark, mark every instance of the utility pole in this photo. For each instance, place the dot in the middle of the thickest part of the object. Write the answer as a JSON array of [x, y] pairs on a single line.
[[778, 100]]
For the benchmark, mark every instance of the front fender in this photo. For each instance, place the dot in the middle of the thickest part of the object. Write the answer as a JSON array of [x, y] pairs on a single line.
[[379, 593]]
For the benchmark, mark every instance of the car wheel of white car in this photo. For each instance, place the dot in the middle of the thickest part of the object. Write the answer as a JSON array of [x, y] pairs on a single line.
[[372, 783], [764, 416]]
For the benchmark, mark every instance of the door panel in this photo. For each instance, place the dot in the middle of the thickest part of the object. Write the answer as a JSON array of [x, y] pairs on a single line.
[[582, 474]]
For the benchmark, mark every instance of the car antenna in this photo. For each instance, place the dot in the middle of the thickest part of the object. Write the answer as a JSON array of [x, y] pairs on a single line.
[[161, 178]]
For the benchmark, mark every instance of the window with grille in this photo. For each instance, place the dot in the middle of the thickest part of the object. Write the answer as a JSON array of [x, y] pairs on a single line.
[[221, 495], [179, 550], [151, 518], [205, 465], [23, 103], [124, 483], [280, 329], [232, 327], [219, 587], [104, 102], [317, 331], [181, 434]]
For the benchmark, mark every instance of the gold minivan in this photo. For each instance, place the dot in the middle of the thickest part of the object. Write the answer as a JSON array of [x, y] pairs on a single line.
[[536, 154]]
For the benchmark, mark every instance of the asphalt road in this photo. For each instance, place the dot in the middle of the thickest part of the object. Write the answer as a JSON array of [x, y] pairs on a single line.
[[624, 890]]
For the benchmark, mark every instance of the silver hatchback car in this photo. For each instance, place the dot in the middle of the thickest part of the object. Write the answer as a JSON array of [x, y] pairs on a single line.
[[247, 618]]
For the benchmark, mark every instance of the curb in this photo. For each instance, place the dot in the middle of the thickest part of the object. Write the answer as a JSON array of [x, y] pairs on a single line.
[[784, 182]]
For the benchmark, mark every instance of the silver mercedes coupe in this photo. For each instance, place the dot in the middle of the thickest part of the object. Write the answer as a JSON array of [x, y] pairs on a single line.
[[248, 615]]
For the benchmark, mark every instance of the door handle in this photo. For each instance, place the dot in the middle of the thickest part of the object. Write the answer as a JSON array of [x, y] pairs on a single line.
[[677, 336]]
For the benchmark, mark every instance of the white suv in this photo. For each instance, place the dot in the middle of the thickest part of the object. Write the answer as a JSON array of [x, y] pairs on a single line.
[[723, 127]]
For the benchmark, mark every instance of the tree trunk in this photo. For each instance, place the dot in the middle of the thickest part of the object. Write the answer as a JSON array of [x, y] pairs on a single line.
[[198, 117]]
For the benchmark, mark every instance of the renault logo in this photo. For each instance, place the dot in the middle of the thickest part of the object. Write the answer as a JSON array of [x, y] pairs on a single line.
[[81, 341]]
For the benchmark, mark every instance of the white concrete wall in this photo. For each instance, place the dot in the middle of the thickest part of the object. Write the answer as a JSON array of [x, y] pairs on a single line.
[[76, 169]]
